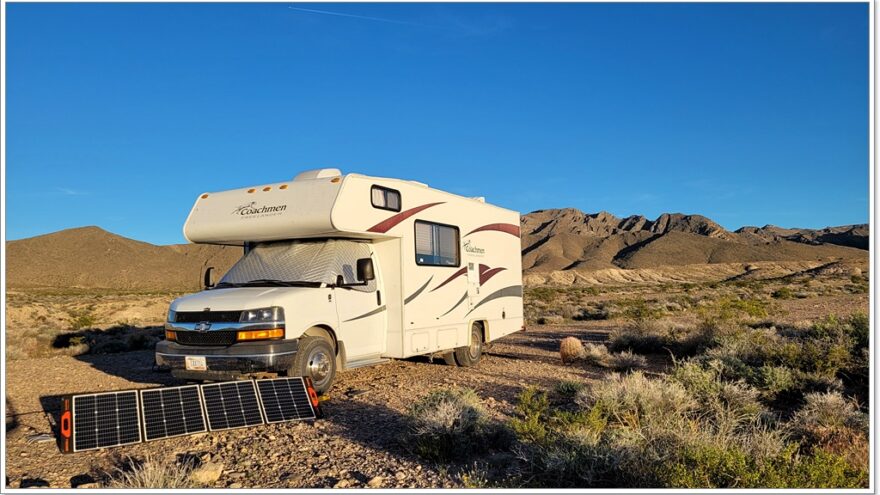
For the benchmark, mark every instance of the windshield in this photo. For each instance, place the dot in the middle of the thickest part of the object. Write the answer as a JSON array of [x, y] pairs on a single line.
[[299, 263]]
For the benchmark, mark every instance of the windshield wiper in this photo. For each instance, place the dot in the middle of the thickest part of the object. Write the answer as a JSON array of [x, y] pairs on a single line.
[[224, 285], [269, 282]]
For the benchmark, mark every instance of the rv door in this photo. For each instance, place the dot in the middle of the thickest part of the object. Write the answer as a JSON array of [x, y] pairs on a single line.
[[473, 283]]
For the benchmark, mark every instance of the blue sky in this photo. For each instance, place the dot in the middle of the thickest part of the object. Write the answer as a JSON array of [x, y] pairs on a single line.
[[119, 115]]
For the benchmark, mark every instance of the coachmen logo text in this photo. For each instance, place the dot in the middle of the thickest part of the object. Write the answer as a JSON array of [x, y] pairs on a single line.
[[251, 209], [470, 248]]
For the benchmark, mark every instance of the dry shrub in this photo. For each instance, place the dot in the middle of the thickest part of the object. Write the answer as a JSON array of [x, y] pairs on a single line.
[[570, 349], [626, 360], [635, 399], [451, 424], [595, 354], [598, 355], [831, 422], [153, 474], [642, 336], [661, 336]]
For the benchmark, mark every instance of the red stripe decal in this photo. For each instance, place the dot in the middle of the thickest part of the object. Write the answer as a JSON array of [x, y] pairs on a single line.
[[389, 223], [455, 275], [507, 228], [489, 274]]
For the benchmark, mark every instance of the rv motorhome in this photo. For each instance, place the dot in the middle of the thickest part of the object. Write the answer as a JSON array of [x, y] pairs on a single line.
[[341, 271]]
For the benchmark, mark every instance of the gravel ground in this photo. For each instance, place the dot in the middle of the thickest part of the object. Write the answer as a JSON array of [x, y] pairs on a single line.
[[358, 443]]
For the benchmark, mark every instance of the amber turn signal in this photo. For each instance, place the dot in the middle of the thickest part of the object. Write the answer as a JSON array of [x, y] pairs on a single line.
[[170, 335], [275, 333]]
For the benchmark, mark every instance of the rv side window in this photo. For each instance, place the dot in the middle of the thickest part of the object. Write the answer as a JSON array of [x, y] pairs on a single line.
[[436, 244], [385, 199]]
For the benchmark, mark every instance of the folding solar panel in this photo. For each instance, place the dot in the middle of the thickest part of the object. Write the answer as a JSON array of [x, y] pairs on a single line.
[[231, 405], [172, 411], [95, 421], [286, 399]]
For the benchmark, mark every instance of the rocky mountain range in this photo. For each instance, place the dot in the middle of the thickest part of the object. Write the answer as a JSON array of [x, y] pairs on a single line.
[[552, 240], [569, 239]]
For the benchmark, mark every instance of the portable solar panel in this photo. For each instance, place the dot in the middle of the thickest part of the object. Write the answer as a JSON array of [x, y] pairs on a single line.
[[285, 399], [172, 411], [231, 405], [95, 421]]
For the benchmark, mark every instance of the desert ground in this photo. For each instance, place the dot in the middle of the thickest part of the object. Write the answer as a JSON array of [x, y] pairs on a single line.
[[528, 402]]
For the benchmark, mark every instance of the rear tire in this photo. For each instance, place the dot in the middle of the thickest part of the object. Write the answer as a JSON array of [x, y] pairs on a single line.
[[470, 355], [315, 359], [449, 358]]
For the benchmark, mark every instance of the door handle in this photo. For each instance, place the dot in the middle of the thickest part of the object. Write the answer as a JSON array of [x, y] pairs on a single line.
[[378, 298]]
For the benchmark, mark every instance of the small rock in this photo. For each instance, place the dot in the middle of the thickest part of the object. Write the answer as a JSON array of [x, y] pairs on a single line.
[[400, 475], [207, 473], [234, 485], [342, 484], [235, 476], [376, 482]]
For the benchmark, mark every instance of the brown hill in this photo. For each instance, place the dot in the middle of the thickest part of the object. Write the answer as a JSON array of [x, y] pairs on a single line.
[[93, 257], [856, 236], [552, 240], [568, 239]]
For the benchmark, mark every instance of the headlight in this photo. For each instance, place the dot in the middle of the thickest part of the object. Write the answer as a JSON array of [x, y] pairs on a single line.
[[263, 314], [171, 315]]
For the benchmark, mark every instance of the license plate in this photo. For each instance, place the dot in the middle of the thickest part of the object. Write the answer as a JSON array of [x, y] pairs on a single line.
[[196, 363]]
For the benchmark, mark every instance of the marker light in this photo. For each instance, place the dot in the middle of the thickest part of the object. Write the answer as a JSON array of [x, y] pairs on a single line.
[[275, 333]]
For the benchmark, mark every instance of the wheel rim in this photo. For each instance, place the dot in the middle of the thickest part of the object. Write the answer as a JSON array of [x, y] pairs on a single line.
[[319, 366], [474, 348]]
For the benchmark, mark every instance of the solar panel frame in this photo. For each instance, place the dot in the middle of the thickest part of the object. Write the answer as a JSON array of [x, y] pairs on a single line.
[[253, 416], [78, 437], [162, 391], [271, 407]]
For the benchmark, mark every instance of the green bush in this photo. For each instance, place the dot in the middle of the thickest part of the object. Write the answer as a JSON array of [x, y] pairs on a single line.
[[783, 293], [731, 307], [774, 380], [717, 466], [533, 409], [569, 388], [545, 294], [638, 309], [82, 318]]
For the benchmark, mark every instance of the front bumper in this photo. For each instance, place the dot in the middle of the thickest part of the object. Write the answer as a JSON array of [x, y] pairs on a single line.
[[228, 362]]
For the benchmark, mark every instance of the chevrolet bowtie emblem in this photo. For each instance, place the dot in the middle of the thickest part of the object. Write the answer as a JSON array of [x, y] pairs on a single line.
[[203, 326]]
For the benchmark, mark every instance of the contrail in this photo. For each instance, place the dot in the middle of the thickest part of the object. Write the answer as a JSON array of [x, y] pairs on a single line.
[[354, 16]]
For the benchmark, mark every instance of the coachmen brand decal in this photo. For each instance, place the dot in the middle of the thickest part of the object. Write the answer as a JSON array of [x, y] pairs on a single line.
[[471, 248], [253, 210]]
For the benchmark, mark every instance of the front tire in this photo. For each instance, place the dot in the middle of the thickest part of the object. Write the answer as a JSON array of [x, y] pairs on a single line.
[[315, 359], [470, 355]]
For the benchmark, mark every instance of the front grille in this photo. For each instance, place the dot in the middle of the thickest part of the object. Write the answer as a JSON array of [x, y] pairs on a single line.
[[219, 337], [212, 316]]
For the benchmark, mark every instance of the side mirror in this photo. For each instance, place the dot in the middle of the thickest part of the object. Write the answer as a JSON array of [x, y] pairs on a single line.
[[209, 277], [365, 270]]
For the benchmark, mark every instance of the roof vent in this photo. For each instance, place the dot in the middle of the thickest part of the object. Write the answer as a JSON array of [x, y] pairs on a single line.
[[318, 173], [481, 199]]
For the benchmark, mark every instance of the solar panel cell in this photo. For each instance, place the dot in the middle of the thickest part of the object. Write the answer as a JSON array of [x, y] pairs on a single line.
[[105, 420], [171, 412], [231, 405], [285, 399]]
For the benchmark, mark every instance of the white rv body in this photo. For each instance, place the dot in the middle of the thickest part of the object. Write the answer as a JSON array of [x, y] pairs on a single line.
[[444, 265]]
